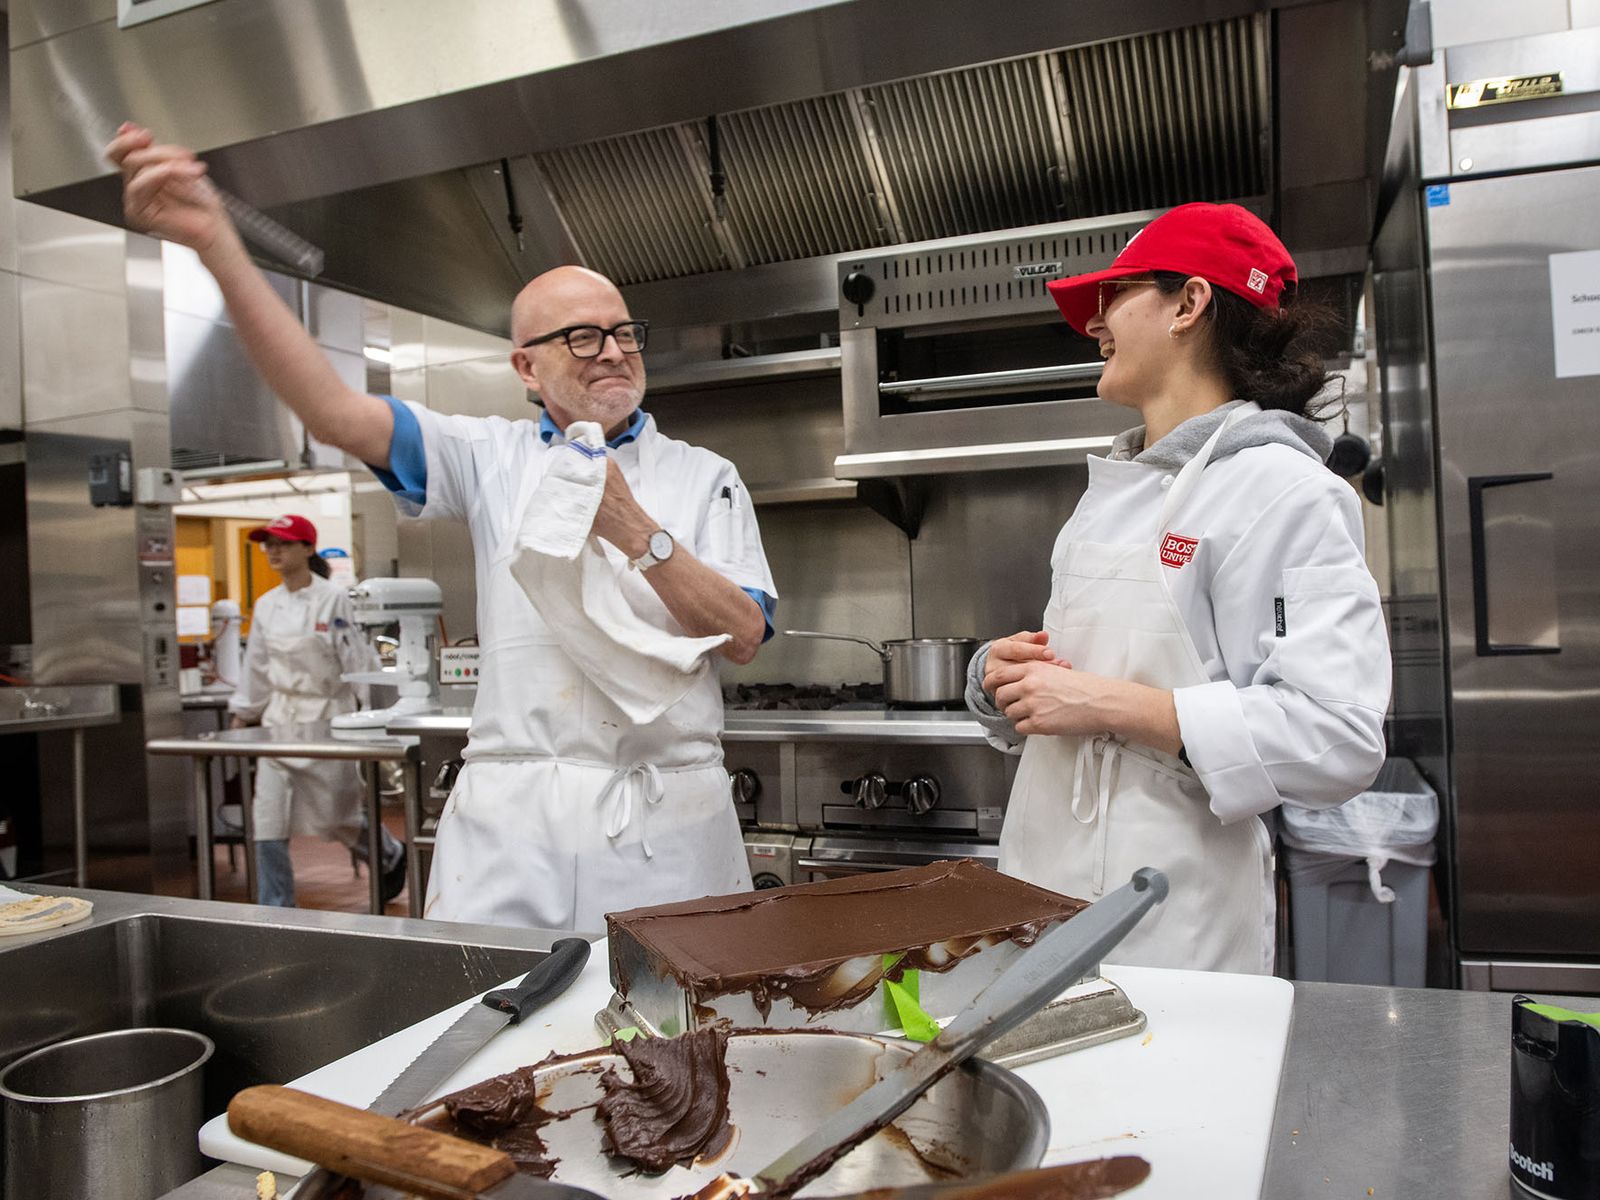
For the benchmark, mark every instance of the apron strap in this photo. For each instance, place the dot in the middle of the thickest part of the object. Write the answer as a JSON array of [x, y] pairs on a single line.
[[1189, 476], [1100, 785], [616, 800]]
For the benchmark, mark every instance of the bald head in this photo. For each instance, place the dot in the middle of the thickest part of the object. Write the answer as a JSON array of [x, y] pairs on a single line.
[[565, 296], [606, 388]]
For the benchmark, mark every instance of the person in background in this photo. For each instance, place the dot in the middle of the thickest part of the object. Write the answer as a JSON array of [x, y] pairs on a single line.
[[1214, 645], [566, 808], [302, 640]]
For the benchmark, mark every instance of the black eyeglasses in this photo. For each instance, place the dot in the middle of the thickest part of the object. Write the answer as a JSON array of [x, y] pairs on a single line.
[[586, 341]]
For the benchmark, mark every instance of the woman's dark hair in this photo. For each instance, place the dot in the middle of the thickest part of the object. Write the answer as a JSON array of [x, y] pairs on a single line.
[[318, 564], [1274, 356]]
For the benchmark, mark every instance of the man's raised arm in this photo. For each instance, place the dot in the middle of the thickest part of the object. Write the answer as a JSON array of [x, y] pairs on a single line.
[[165, 193]]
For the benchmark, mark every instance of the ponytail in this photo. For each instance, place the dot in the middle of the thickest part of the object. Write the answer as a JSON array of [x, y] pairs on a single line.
[[1275, 357], [318, 564]]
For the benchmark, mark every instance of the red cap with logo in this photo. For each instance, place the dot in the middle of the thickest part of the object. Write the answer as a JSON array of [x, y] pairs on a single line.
[[288, 528], [1227, 246]]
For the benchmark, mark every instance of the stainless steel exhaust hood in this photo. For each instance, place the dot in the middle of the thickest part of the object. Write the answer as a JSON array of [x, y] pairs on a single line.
[[411, 139]]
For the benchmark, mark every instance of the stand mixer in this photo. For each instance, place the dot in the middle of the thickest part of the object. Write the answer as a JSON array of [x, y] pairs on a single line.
[[415, 604]]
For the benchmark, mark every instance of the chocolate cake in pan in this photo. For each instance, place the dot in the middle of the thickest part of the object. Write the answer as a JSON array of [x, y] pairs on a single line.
[[818, 954]]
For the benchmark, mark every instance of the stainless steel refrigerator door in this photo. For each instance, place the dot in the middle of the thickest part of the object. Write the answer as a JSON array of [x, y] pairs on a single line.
[[1519, 500]]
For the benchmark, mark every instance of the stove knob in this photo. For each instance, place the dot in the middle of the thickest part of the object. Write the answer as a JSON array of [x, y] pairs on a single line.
[[872, 789], [921, 793], [745, 785], [858, 287]]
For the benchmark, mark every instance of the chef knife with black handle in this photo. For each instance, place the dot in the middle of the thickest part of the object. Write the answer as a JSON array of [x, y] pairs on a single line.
[[471, 1031], [398, 1159]]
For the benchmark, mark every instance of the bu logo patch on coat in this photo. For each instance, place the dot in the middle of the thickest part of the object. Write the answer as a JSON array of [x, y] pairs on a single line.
[[322, 627], [1177, 550]]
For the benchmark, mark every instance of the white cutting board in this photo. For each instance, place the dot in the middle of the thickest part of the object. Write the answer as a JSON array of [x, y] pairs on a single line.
[[1194, 1094]]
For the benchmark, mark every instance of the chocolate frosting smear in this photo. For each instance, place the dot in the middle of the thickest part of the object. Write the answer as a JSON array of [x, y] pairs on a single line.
[[502, 1112], [675, 1110]]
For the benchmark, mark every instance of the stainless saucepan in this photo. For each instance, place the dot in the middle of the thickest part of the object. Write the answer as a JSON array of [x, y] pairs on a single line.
[[916, 671]]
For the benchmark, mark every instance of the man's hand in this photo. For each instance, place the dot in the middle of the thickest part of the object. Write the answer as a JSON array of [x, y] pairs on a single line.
[[165, 192], [238, 723], [620, 519], [1025, 647]]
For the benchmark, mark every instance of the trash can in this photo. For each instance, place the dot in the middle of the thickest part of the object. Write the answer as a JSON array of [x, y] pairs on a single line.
[[1358, 882], [113, 1116]]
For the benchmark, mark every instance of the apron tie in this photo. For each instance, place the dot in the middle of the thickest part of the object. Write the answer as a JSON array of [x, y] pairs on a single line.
[[616, 799], [1087, 784]]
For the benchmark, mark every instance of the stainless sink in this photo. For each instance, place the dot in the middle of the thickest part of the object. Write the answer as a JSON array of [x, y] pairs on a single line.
[[280, 991], [32, 709]]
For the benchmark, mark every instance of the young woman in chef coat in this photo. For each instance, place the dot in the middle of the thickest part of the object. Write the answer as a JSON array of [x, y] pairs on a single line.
[[1214, 644], [302, 640]]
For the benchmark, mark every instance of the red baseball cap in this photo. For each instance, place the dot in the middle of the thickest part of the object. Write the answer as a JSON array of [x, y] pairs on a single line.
[[1227, 246], [288, 528]]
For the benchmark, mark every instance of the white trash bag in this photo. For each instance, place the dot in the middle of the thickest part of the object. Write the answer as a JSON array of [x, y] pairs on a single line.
[[1395, 820]]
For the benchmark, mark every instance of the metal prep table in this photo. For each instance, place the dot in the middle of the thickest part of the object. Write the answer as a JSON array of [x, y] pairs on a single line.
[[298, 741], [76, 707]]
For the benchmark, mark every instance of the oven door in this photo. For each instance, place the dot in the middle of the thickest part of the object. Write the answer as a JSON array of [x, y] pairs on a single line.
[[834, 857]]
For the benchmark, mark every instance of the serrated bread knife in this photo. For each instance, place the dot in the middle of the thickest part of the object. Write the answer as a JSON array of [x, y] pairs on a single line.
[[471, 1031]]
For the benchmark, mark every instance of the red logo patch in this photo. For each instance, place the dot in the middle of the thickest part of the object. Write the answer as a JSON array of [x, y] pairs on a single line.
[[1176, 550], [322, 627]]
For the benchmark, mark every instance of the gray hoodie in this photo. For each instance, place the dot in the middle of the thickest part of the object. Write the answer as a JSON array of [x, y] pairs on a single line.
[[1271, 427]]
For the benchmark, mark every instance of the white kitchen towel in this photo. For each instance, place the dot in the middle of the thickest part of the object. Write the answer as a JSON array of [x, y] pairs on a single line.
[[581, 596], [569, 494]]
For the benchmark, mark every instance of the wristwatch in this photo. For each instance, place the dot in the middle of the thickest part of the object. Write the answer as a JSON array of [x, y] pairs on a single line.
[[660, 549]]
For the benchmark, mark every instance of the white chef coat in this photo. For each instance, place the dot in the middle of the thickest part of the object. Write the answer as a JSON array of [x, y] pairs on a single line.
[[565, 810], [301, 642], [1280, 676]]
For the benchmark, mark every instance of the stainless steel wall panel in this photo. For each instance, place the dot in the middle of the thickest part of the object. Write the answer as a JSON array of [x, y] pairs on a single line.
[[8, 205], [74, 350], [1528, 827], [220, 406], [980, 564], [775, 433], [837, 568], [68, 249], [33, 20], [81, 560], [10, 353]]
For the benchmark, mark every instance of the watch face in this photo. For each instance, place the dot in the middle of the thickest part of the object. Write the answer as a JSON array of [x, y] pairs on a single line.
[[661, 544]]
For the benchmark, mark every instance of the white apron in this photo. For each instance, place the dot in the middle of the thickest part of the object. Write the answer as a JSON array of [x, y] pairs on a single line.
[[304, 796], [1085, 812], [565, 809]]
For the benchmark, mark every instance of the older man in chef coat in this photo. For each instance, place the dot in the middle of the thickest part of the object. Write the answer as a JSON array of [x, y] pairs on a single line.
[[566, 808]]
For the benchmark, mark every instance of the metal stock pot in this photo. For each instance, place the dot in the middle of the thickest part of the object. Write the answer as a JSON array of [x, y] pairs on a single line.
[[923, 672]]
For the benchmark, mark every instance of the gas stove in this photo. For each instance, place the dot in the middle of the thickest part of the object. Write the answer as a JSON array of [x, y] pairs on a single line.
[[803, 697], [834, 782]]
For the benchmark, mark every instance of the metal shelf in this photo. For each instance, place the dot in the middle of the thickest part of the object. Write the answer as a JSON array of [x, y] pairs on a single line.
[[733, 372]]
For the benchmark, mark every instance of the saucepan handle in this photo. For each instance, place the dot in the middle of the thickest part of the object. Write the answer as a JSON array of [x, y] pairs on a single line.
[[876, 647]]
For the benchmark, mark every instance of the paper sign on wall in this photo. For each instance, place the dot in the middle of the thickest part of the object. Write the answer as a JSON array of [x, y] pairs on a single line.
[[194, 589], [1575, 312], [194, 622]]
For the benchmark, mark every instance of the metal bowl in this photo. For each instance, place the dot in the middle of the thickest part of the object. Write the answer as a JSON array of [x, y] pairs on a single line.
[[978, 1120]]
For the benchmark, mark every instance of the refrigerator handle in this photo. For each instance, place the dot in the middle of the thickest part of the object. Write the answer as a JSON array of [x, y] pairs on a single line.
[[1476, 486]]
